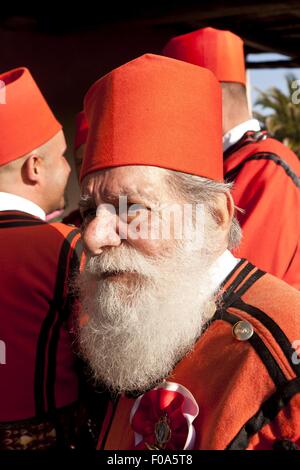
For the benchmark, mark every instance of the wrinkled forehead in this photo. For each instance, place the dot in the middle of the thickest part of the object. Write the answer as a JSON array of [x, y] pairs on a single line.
[[147, 181]]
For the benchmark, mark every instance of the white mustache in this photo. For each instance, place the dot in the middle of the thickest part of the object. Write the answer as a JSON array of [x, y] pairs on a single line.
[[123, 259]]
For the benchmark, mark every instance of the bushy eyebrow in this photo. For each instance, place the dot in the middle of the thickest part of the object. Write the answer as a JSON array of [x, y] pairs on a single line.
[[108, 195], [130, 195], [87, 201]]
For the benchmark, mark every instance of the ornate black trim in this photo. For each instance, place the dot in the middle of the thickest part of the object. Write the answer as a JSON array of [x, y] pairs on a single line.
[[49, 328], [266, 414], [232, 174], [261, 349]]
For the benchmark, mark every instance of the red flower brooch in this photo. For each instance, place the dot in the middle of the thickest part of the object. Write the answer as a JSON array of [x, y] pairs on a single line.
[[162, 418]]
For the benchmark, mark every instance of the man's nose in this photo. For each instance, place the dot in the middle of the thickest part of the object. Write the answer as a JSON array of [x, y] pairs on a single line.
[[102, 231]]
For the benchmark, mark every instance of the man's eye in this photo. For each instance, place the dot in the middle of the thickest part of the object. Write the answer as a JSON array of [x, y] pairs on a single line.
[[135, 208], [132, 211]]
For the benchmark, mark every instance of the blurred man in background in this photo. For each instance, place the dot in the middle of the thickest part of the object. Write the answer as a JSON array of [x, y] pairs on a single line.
[[39, 382], [264, 171]]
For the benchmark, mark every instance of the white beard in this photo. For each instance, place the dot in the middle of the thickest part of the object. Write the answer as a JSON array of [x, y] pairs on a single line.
[[139, 329]]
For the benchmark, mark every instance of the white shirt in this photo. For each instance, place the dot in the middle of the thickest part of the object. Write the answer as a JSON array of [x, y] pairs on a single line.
[[11, 202], [236, 133], [221, 268]]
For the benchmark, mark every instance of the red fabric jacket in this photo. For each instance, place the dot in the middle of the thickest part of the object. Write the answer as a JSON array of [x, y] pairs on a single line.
[[248, 392], [266, 185], [37, 260], [74, 218]]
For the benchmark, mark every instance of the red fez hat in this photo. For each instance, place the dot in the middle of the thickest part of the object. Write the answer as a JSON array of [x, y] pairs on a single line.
[[26, 121], [219, 51], [81, 130], [155, 111]]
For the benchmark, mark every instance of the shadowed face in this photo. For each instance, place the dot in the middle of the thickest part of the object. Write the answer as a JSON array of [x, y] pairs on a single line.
[[146, 298]]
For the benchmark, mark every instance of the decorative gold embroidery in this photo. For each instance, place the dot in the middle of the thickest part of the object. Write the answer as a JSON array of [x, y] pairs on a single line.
[[162, 433]]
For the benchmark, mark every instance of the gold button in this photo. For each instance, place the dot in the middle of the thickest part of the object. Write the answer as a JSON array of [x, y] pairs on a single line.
[[242, 330]]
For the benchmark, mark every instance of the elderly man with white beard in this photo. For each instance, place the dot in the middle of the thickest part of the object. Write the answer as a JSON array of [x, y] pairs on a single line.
[[196, 347]]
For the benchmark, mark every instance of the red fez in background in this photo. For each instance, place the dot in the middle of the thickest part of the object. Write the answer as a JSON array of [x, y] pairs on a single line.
[[219, 51], [155, 111], [26, 121], [81, 130]]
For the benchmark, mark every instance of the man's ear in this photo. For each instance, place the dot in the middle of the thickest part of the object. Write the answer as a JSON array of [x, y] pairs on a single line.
[[225, 210], [230, 206], [32, 169]]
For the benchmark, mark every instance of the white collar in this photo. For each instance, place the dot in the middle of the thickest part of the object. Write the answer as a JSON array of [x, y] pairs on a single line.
[[12, 202], [221, 268], [236, 133]]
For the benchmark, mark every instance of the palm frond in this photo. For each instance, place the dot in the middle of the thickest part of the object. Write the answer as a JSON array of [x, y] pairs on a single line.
[[282, 117]]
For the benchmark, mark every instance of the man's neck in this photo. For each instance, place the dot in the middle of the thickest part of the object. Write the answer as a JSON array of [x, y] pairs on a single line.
[[220, 269], [14, 202], [233, 135]]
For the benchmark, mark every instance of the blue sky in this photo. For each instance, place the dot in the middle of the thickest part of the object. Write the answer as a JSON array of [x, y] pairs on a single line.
[[265, 78]]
